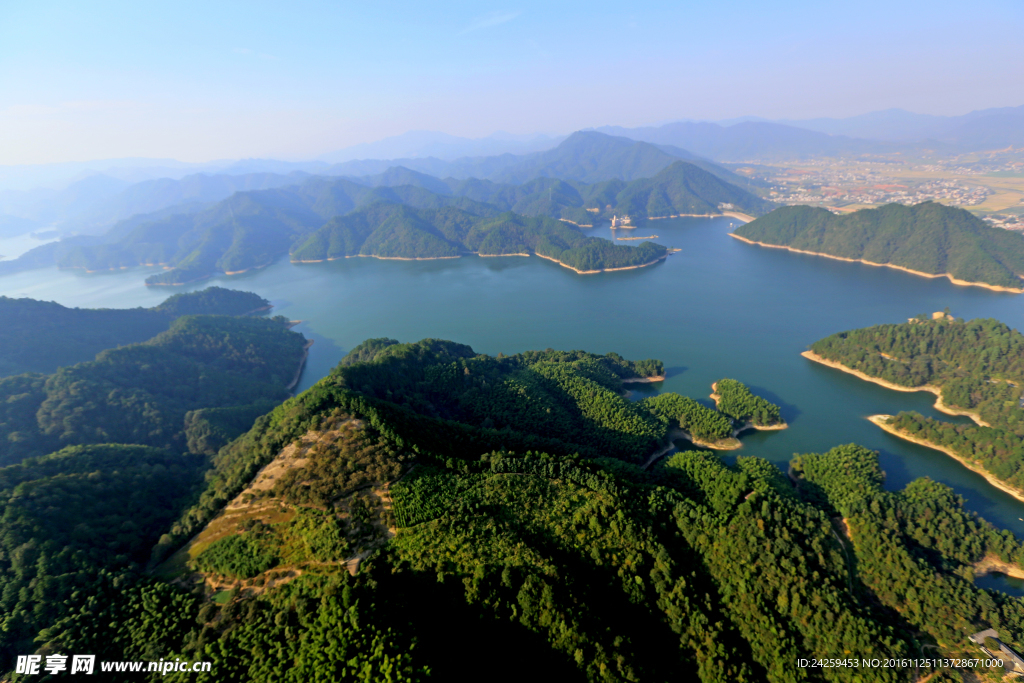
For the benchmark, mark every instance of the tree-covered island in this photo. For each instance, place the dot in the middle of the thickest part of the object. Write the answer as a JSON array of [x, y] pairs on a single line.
[[927, 239]]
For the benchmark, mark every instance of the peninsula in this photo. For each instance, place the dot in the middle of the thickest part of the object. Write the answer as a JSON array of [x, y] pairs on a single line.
[[976, 369], [734, 399], [927, 239]]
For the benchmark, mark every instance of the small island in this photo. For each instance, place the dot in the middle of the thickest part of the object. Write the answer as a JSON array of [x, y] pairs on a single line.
[[734, 399], [928, 239], [976, 369]]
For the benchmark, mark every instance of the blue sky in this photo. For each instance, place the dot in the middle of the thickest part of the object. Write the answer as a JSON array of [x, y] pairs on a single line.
[[184, 80]]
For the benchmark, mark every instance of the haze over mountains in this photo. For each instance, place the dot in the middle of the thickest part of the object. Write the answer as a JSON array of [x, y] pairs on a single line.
[[94, 204], [720, 141], [91, 197]]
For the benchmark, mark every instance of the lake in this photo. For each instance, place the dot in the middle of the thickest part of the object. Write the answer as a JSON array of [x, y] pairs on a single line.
[[717, 308]]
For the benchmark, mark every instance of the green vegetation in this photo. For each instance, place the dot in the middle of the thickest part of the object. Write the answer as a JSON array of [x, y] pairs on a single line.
[[698, 420], [72, 514], [146, 393], [979, 366], [333, 217], [41, 336], [928, 237], [237, 556], [396, 231], [914, 548], [736, 401], [521, 531], [682, 188]]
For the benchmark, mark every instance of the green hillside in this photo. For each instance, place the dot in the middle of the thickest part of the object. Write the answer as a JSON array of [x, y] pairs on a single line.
[[40, 336], [150, 393], [928, 238], [679, 188], [589, 157], [979, 367], [489, 512], [397, 231], [682, 188]]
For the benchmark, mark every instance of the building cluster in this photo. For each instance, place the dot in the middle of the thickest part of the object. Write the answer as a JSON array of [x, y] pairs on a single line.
[[832, 193], [1009, 222]]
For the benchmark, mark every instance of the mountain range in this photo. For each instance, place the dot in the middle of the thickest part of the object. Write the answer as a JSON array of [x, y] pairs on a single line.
[[253, 228], [92, 205]]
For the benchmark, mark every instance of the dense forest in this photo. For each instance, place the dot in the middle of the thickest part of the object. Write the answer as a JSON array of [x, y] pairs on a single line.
[[977, 364], [928, 238], [435, 512], [197, 385], [323, 217], [41, 336], [398, 231], [734, 399]]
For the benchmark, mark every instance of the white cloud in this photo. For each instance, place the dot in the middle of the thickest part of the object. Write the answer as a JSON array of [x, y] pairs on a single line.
[[489, 20]]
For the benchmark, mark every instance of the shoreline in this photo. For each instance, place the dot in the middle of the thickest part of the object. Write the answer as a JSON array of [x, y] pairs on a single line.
[[748, 425], [603, 270], [177, 284], [578, 225], [382, 258], [931, 388], [990, 564], [725, 214], [302, 364], [644, 380], [880, 421], [728, 444], [246, 270], [955, 281], [441, 258]]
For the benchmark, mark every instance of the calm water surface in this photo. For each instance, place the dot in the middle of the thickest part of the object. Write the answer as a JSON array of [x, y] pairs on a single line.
[[718, 308]]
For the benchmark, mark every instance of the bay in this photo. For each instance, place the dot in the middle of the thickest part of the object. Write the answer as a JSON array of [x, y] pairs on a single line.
[[717, 308]]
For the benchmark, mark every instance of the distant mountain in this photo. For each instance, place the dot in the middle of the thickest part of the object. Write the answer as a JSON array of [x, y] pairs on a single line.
[[749, 140], [251, 228], [977, 130], [928, 238], [422, 143], [681, 188], [591, 157], [94, 204], [154, 195]]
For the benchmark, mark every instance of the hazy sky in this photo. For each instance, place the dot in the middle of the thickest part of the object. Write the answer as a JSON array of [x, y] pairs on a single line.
[[93, 80]]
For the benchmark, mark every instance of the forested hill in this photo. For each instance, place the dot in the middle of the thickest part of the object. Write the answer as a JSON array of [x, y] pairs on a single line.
[[929, 238], [680, 188], [683, 188], [252, 229], [192, 387], [489, 513], [979, 366], [397, 231], [40, 336]]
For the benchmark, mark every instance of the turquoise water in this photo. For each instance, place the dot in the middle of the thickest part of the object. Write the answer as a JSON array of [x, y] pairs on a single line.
[[1001, 582], [718, 308]]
